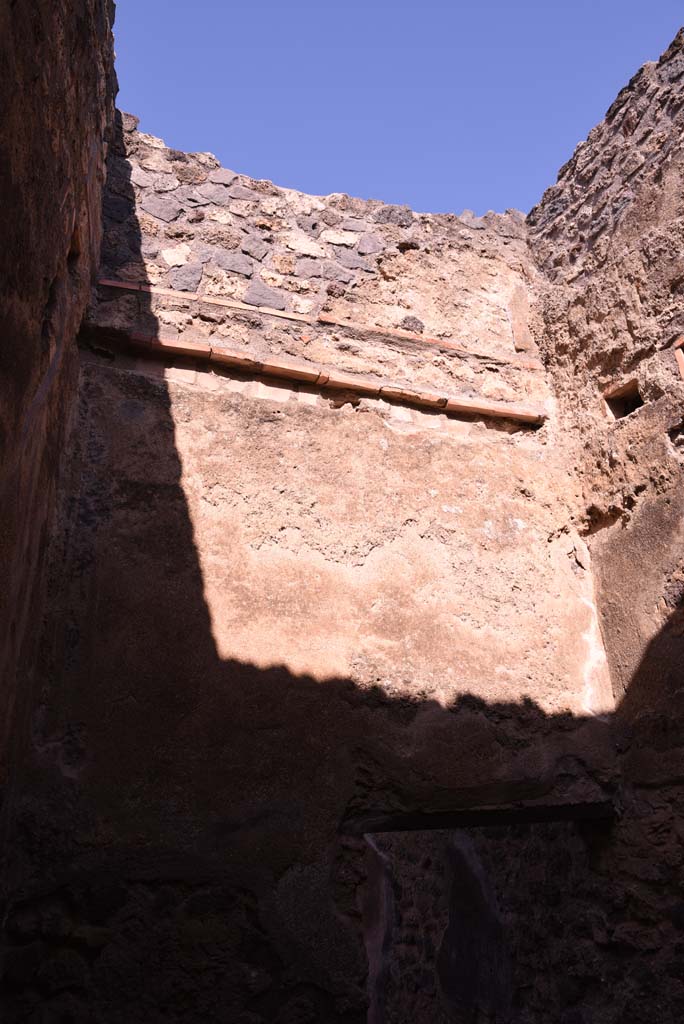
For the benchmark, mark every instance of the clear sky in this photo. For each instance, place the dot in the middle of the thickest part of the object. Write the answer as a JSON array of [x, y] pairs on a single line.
[[440, 105]]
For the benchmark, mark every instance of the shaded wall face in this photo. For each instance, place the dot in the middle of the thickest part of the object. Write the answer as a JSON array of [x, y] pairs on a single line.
[[183, 799], [273, 613], [52, 155], [264, 528], [609, 236]]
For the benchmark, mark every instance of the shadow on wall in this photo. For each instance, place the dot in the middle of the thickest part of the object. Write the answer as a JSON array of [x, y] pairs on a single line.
[[660, 674], [189, 844]]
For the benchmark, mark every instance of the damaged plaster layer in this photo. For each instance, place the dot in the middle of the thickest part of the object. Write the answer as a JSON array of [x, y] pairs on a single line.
[[408, 608], [396, 594]]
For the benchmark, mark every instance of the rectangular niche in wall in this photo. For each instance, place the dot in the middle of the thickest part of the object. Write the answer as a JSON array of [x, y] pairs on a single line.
[[623, 400]]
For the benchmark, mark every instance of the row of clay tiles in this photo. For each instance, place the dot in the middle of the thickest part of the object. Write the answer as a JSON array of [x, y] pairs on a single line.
[[300, 372], [322, 320]]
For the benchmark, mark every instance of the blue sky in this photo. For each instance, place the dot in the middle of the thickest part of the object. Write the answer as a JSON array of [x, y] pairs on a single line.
[[439, 105]]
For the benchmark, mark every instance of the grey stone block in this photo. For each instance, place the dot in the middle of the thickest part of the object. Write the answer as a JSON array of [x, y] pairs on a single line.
[[191, 197], [350, 259], [187, 278], [222, 176], [309, 268], [218, 194], [369, 244], [240, 192], [335, 272], [402, 216], [311, 223], [140, 177], [259, 294], [234, 262], [150, 248], [163, 207], [354, 224], [226, 259], [165, 183], [255, 247]]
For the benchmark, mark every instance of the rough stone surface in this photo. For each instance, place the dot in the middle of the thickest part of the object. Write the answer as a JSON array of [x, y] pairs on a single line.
[[272, 224], [369, 244], [222, 176], [293, 634], [612, 313], [187, 278], [165, 209], [259, 294], [53, 131], [255, 246], [412, 323]]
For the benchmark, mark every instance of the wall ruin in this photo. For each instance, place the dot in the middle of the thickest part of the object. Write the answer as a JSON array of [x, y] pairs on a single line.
[[355, 696]]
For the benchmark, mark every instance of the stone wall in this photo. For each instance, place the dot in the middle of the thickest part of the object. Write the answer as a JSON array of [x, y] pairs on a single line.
[[609, 236], [283, 511], [280, 609], [311, 615], [422, 299], [57, 86]]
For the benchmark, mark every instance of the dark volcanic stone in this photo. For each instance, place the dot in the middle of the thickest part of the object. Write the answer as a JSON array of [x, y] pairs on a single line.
[[350, 259], [255, 247], [218, 194], [222, 176], [311, 224], [412, 323], [369, 244], [259, 294], [233, 262], [162, 207], [334, 272], [187, 278], [309, 268], [240, 192], [402, 216], [191, 197]]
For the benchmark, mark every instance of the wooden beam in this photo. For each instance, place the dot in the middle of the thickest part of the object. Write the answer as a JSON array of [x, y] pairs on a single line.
[[478, 817]]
